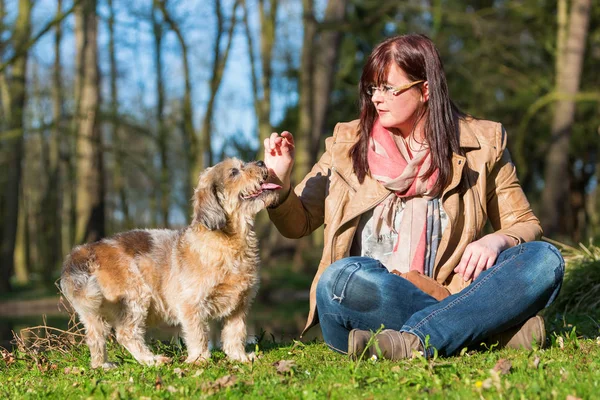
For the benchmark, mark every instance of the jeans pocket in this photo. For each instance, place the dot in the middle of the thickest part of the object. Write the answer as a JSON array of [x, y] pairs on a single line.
[[341, 281]]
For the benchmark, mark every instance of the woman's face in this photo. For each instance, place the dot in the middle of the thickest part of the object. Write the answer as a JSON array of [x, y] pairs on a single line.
[[401, 110]]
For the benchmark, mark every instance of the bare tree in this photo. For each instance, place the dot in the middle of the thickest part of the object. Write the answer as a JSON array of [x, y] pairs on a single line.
[[90, 182], [51, 203], [569, 61], [115, 120], [326, 61], [14, 96], [162, 138], [218, 67], [190, 139], [261, 80], [320, 49]]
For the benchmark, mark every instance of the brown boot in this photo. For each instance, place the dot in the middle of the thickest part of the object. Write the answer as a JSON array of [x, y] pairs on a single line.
[[521, 336], [394, 345]]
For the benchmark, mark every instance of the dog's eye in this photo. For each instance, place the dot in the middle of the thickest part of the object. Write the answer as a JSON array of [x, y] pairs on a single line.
[[234, 172]]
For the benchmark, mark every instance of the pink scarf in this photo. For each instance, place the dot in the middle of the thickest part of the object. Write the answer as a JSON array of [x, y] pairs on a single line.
[[392, 165]]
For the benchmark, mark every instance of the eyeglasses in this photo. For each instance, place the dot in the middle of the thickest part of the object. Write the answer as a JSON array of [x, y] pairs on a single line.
[[388, 91]]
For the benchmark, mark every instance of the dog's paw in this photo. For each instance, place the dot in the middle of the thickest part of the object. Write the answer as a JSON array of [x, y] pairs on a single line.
[[198, 359], [155, 360], [160, 359], [243, 357], [109, 365]]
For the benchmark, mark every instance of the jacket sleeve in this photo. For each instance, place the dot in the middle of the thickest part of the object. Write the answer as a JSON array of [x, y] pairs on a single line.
[[508, 208], [303, 210]]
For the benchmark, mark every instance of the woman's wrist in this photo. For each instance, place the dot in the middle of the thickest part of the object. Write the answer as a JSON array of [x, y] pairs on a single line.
[[284, 193], [507, 241]]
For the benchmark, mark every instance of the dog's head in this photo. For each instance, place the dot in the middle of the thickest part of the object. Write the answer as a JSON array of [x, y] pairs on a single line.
[[232, 189]]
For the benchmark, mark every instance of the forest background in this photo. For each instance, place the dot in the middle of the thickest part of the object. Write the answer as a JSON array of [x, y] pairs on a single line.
[[109, 109]]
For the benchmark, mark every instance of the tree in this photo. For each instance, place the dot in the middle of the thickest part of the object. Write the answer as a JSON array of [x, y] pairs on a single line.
[[569, 60], [14, 96], [115, 119], [90, 179], [218, 67], [192, 148], [261, 79], [52, 202], [157, 30]]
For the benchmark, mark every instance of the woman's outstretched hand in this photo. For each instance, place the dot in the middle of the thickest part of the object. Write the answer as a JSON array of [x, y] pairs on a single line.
[[279, 158], [481, 255]]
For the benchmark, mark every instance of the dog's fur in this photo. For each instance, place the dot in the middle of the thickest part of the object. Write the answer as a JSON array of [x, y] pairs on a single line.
[[206, 271]]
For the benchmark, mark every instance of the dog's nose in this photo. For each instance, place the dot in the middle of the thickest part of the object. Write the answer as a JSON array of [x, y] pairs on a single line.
[[260, 163]]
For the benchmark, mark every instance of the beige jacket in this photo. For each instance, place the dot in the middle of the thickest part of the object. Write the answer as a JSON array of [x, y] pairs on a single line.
[[331, 194]]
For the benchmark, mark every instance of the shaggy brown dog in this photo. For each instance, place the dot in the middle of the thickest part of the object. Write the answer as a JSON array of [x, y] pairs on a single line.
[[208, 270]]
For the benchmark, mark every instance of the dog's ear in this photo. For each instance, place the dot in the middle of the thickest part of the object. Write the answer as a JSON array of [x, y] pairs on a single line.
[[207, 209]]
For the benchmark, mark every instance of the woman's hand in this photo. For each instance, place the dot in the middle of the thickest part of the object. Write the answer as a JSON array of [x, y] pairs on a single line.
[[279, 158], [481, 254]]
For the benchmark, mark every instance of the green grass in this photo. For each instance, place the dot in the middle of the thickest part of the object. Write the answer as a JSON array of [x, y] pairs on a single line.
[[570, 366]]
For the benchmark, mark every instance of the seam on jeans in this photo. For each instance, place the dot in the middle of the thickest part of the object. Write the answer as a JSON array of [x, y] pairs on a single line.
[[336, 349], [557, 254], [471, 289], [341, 296]]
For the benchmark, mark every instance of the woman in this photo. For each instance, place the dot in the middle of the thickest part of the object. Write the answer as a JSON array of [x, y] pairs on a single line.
[[405, 193]]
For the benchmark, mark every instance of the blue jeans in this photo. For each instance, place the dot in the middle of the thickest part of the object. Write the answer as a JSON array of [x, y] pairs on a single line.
[[359, 292]]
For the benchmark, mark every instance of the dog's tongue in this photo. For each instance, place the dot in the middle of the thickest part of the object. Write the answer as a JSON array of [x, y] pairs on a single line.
[[270, 186]]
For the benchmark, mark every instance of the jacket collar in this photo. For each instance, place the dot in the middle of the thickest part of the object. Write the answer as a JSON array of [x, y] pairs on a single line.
[[467, 136]]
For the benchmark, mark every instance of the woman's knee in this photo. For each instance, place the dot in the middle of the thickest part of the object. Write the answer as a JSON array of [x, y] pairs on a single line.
[[547, 264]]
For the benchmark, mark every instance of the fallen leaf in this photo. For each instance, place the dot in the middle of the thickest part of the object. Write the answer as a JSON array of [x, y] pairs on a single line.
[[285, 366], [221, 383], [487, 384], [396, 368], [171, 389], [179, 372], [7, 356], [536, 362], [226, 381], [503, 366], [74, 371], [198, 373], [571, 397], [561, 342], [158, 382]]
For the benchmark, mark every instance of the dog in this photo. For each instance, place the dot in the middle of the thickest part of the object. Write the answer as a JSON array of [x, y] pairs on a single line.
[[209, 270]]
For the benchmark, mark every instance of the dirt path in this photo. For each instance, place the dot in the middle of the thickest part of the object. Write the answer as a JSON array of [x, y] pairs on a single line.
[[20, 308]]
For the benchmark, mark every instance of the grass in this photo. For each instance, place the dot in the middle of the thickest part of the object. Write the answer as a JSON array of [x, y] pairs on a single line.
[[568, 369], [570, 366]]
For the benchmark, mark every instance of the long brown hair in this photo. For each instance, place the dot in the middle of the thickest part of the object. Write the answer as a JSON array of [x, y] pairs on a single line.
[[417, 56]]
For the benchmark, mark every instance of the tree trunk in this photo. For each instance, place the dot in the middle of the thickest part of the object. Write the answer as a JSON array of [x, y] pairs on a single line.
[[219, 62], [21, 35], [119, 151], [90, 182], [164, 181], [190, 141], [268, 18], [326, 64], [52, 203], [570, 53], [305, 89]]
